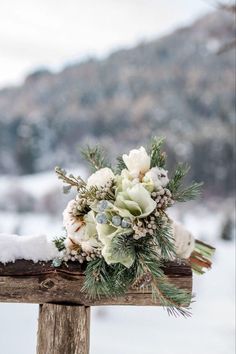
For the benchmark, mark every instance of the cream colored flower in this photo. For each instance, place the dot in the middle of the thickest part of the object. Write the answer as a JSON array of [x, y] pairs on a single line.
[[101, 177], [137, 162]]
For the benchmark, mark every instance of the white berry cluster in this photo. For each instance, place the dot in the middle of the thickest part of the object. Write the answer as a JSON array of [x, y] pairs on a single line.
[[79, 255], [163, 198]]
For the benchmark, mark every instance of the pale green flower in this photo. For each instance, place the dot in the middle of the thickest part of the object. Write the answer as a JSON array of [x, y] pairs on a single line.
[[135, 201], [106, 232], [125, 180], [90, 225]]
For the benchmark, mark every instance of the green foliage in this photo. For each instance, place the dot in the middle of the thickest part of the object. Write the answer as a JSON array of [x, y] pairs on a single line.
[[171, 297], [96, 157], [164, 238], [189, 193], [97, 279], [104, 280], [123, 246], [180, 193], [59, 243], [158, 158], [120, 164], [116, 279]]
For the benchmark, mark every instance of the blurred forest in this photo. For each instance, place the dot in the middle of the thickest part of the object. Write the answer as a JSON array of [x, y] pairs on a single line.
[[177, 86]]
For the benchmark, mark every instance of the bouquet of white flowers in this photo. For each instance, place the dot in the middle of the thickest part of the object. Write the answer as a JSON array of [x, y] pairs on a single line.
[[117, 225]]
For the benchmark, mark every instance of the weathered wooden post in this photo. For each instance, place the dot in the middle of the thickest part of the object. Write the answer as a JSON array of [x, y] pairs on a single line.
[[64, 312], [63, 329]]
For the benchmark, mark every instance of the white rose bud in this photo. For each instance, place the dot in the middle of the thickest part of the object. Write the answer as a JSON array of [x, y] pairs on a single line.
[[100, 177], [137, 162]]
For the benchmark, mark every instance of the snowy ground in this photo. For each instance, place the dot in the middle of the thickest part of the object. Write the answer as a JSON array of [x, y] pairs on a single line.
[[139, 330]]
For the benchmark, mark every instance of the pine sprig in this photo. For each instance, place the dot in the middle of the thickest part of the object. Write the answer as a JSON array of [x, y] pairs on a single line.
[[158, 158], [164, 238], [180, 193], [189, 193], [120, 164], [168, 294], [171, 297], [95, 157], [98, 281], [104, 280], [123, 246], [59, 243]]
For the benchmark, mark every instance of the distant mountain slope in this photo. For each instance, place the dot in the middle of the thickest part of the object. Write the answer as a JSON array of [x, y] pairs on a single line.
[[176, 86]]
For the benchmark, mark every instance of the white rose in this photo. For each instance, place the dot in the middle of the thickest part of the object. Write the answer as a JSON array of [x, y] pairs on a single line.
[[157, 176], [100, 177], [137, 162], [184, 241]]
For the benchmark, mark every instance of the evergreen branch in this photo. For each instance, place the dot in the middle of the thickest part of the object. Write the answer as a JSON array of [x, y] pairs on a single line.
[[95, 157], [97, 279], [104, 280], [122, 278], [179, 192], [189, 193], [123, 246], [120, 165], [168, 294], [164, 238], [171, 297], [176, 181], [59, 243], [158, 158]]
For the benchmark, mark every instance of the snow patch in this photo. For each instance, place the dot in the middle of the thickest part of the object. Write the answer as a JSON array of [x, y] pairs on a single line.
[[33, 248]]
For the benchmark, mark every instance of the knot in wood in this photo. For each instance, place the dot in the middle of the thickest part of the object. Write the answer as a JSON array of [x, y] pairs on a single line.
[[47, 284]]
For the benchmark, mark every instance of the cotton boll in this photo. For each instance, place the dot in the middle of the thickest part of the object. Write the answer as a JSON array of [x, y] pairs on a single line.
[[74, 224], [157, 176], [184, 241]]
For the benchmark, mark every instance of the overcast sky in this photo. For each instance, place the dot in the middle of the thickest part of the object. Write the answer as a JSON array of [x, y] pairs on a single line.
[[51, 33]]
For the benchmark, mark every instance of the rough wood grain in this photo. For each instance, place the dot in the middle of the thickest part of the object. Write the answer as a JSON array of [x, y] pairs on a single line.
[[63, 329], [25, 281]]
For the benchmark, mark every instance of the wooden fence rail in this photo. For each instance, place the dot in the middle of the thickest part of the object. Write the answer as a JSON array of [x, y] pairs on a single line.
[[64, 313]]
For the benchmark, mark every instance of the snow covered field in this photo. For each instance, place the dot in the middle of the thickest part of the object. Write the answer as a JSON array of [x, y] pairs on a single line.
[[138, 330]]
